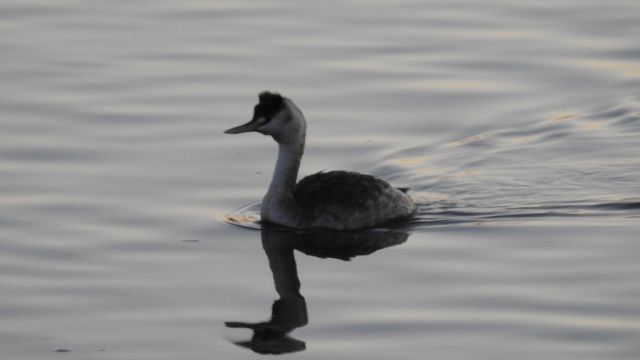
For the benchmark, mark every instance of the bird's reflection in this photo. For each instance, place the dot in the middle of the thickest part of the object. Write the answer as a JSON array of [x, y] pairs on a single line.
[[290, 310]]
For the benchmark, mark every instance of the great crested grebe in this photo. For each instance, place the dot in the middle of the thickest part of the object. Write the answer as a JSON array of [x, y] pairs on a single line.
[[337, 200]]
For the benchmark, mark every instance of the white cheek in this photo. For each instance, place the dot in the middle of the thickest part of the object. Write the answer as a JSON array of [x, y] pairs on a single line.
[[268, 127], [274, 125], [261, 120], [261, 126]]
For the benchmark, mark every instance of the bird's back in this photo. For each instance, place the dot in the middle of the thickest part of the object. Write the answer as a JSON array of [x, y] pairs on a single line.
[[349, 200]]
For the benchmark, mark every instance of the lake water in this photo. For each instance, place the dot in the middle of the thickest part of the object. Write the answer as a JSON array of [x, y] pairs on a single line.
[[516, 125]]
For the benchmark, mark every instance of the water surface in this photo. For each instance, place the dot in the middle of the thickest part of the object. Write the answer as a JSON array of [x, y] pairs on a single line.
[[516, 125]]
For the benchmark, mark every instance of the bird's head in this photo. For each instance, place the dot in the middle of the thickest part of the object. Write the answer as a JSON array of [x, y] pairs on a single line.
[[277, 116]]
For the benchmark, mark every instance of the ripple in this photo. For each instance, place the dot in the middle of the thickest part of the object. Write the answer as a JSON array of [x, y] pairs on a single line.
[[247, 216], [515, 124]]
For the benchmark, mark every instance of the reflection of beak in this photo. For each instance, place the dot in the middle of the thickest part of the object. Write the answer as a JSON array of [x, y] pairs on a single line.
[[250, 126]]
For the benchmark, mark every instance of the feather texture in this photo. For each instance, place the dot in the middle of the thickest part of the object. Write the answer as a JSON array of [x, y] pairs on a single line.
[[349, 189], [349, 200]]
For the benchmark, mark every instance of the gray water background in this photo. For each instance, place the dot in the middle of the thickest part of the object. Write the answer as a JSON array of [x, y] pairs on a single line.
[[515, 123]]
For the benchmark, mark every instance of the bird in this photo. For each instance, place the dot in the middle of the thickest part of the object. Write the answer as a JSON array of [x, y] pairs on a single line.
[[331, 200]]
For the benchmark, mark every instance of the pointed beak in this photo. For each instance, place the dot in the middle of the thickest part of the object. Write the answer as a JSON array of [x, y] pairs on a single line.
[[250, 126]]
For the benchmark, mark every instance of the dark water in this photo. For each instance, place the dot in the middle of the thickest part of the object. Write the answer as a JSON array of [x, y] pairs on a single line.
[[516, 125]]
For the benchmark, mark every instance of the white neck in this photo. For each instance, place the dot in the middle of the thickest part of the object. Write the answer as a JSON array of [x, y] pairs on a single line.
[[278, 204], [286, 170]]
